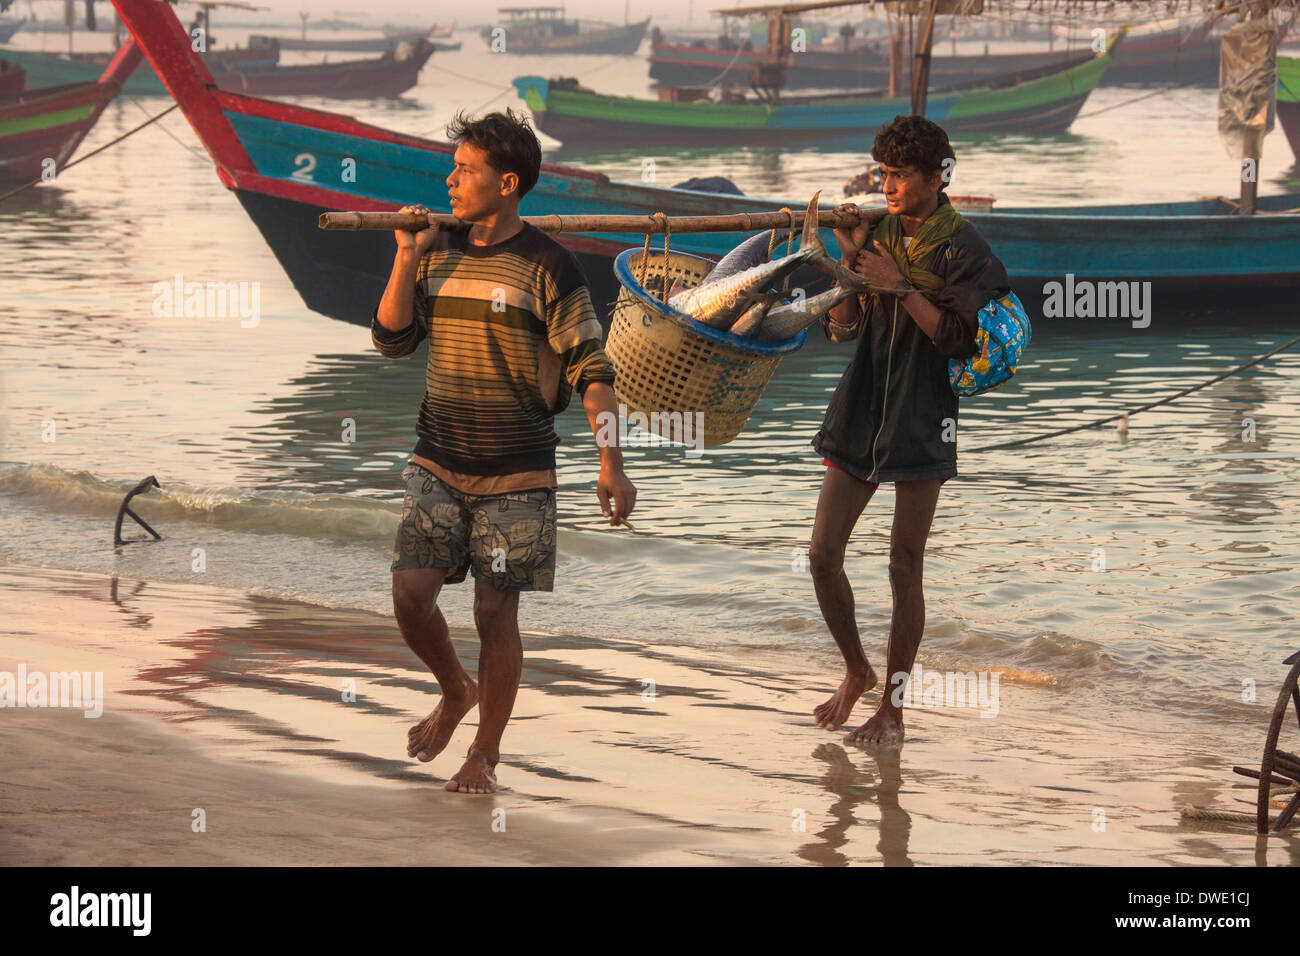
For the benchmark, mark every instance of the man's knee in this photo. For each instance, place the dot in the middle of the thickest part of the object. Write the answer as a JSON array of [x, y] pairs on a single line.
[[494, 609], [413, 596], [824, 559], [905, 566]]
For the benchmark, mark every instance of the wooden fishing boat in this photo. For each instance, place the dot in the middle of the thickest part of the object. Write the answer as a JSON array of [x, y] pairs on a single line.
[[53, 69], [696, 64], [545, 30], [379, 44], [391, 74], [1171, 53], [1175, 52], [282, 162], [1288, 101], [50, 122], [436, 32], [1043, 105]]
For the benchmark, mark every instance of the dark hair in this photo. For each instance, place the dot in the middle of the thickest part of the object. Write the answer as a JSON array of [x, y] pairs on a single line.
[[913, 141], [508, 140]]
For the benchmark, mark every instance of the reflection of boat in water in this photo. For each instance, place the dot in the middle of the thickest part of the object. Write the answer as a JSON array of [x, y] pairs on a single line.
[[48, 123], [544, 30], [1044, 104]]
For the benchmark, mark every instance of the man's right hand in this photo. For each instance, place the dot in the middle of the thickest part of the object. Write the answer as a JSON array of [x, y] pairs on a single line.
[[852, 240], [416, 243]]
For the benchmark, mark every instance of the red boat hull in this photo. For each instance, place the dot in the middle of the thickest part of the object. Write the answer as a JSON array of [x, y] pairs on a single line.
[[50, 123], [12, 79]]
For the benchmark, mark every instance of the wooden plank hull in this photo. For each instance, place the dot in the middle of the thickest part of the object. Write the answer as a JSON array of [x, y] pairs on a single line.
[[359, 45], [1050, 119], [50, 70], [1147, 58], [623, 40], [1043, 106], [358, 79], [1174, 56], [679, 65]]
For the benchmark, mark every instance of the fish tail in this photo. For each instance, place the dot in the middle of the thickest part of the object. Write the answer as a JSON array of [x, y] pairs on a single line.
[[810, 243]]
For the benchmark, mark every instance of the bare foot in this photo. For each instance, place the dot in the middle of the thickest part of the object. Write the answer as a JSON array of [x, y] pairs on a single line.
[[884, 730], [478, 775], [428, 738], [834, 712]]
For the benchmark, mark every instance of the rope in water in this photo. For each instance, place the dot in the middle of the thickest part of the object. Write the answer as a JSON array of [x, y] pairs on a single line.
[[1229, 816], [93, 152], [1143, 408]]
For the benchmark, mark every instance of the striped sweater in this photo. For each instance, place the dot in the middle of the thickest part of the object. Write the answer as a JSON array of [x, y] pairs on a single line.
[[512, 333]]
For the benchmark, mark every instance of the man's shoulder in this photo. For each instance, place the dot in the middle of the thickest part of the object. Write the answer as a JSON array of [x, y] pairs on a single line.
[[969, 239], [443, 248], [556, 259]]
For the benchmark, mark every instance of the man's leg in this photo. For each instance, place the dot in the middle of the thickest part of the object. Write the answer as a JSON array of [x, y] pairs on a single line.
[[500, 663], [415, 605], [914, 503], [839, 506]]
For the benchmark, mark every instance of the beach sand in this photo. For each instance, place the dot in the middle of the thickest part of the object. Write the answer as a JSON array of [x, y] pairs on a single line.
[[235, 705]]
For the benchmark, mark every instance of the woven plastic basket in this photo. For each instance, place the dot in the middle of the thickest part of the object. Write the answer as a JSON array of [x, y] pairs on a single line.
[[666, 362]]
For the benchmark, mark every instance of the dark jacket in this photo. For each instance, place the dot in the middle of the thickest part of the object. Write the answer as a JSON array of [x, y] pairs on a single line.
[[886, 420]]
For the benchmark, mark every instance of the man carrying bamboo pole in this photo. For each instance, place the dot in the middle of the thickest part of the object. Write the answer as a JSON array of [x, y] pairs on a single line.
[[512, 333], [893, 416]]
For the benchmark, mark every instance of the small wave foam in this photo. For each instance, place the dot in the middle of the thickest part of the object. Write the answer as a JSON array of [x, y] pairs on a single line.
[[327, 516]]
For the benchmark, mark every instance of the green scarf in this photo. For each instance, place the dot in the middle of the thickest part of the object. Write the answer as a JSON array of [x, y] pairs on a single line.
[[934, 232]]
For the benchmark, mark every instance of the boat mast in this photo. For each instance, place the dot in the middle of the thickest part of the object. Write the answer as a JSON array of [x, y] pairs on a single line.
[[921, 59]]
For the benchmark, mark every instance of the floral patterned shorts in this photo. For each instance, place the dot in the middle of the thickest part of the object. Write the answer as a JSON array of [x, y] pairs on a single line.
[[507, 540]]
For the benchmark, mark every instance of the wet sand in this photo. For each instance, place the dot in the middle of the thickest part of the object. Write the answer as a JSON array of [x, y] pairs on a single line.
[[236, 704]]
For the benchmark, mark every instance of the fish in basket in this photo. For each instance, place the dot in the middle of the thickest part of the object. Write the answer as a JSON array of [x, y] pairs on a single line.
[[710, 345]]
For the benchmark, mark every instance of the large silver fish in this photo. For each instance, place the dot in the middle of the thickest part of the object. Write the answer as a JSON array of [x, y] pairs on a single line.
[[748, 254], [720, 303], [787, 321], [752, 318]]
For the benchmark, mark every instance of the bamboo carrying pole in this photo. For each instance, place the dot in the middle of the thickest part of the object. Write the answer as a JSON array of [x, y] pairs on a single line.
[[636, 225]]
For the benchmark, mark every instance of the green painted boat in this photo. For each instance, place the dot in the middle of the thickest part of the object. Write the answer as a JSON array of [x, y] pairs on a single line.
[[44, 125], [1288, 100], [48, 69], [1044, 104]]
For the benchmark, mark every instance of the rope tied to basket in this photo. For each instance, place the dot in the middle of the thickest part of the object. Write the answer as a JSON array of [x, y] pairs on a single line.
[[789, 245], [663, 293], [645, 256]]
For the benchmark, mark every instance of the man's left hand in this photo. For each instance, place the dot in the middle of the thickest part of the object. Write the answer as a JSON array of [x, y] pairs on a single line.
[[878, 266], [613, 487]]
